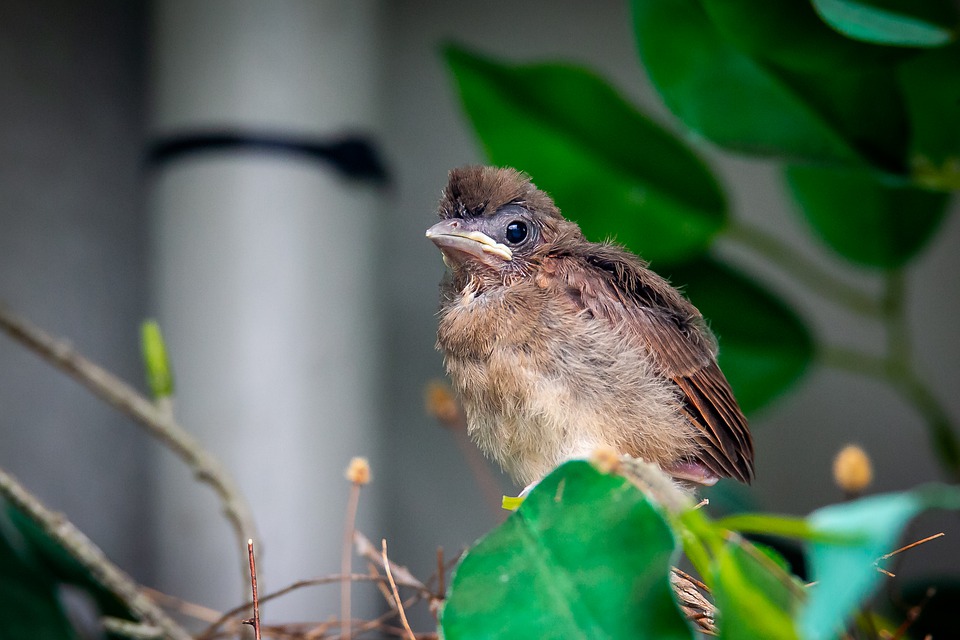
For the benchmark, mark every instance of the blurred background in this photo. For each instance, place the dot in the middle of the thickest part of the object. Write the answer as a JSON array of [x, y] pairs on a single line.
[[298, 302]]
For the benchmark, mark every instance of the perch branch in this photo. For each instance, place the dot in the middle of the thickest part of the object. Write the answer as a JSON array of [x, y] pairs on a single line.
[[84, 551], [158, 422]]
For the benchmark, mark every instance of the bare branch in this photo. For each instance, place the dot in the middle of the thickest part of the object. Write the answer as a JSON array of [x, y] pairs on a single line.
[[85, 552], [158, 422]]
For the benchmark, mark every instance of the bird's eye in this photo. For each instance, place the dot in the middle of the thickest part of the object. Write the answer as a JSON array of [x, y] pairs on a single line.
[[516, 232]]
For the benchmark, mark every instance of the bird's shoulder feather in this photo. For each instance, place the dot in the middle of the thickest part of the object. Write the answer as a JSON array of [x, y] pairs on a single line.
[[608, 282]]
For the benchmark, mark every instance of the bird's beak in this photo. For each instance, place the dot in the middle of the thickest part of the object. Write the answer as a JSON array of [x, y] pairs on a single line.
[[451, 238]]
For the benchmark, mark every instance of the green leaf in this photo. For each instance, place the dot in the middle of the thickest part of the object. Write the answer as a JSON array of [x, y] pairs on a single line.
[[723, 94], [867, 220], [31, 548], [764, 346], [155, 359], [606, 165], [931, 85], [791, 34], [29, 604], [845, 572], [585, 556], [773, 555], [756, 598], [768, 524], [929, 23]]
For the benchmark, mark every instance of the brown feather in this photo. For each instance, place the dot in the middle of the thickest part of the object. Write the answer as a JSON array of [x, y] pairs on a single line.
[[618, 287]]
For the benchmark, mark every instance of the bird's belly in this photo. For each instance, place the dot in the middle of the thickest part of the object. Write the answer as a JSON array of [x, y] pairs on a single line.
[[527, 421], [532, 414]]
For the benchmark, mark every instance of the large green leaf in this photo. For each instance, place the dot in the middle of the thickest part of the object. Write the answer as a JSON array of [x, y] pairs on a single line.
[[841, 115], [722, 93], [764, 346], [931, 86], [929, 23], [755, 596], [845, 571], [864, 219], [607, 166], [585, 556], [789, 33]]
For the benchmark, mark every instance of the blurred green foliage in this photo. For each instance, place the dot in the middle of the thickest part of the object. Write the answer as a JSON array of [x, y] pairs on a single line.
[[588, 555], [869, 138], [860, 102]]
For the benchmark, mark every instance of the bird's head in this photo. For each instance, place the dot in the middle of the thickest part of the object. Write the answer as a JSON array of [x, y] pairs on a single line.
[[495, 225]]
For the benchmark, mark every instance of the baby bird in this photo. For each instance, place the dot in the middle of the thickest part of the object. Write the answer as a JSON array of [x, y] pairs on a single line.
[[557, 345]]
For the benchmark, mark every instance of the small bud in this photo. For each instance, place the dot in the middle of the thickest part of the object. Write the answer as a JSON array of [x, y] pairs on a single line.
[[358, 471], [155, 360], [442, 404], [852, 470], [605, 459]]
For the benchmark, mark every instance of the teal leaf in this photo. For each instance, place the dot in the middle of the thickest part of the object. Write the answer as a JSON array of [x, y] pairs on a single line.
[[585, 556], [755, 596], [606, 165], [931, 86], [764, 346], [868, 220], [845, 571], [929, 23]]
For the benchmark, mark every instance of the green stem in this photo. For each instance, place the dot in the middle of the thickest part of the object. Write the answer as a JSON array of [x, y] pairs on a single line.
[[896, 369], [805, 270]]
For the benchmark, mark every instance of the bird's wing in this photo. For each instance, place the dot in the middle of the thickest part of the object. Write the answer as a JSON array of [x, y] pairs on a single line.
[[611, 283]]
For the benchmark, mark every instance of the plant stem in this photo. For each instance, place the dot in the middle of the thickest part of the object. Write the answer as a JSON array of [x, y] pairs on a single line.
[[902, 375], [805, 270], [896, 369]]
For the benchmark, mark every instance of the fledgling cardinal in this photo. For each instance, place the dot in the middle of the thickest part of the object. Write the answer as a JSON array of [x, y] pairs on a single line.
[[557, 345]]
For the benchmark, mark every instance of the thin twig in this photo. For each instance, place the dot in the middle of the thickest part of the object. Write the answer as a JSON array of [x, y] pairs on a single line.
[[130, 629], [253, 588], [912, 614], [85, 552], [157, 421], [382, 586], [211, 630], [396, 593], [346, 557], [695, 606], [911, 546], [183, 607], [402, 575]]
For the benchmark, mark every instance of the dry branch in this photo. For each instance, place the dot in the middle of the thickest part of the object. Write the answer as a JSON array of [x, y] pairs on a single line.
[[158, 422], [87, 554]]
